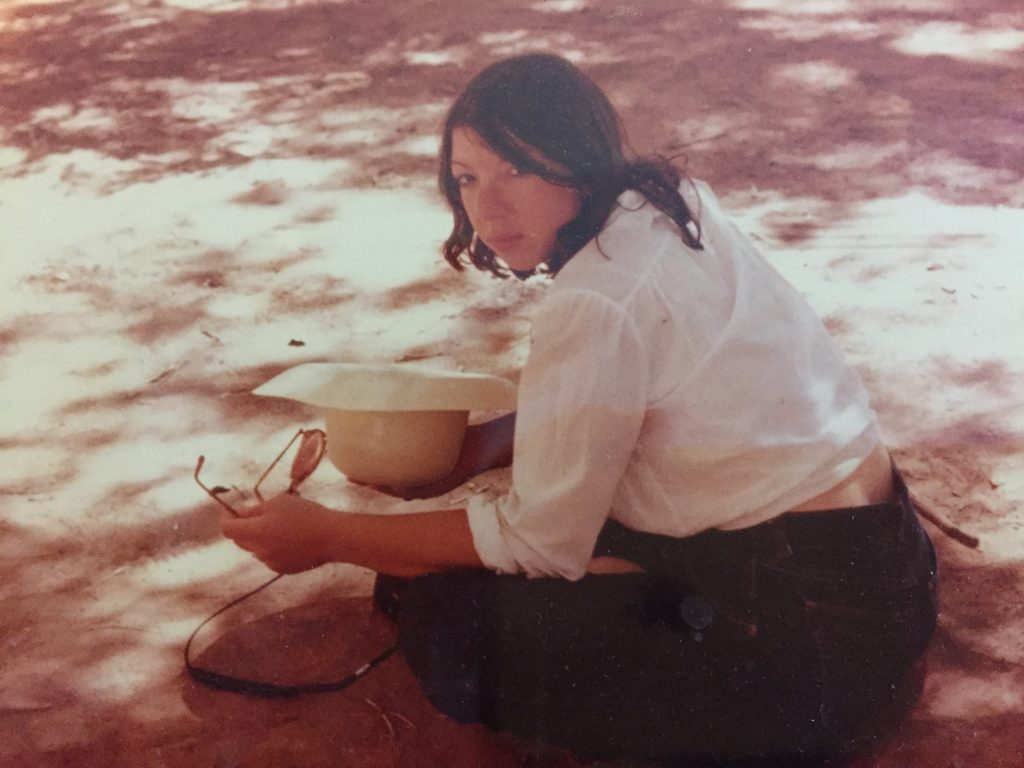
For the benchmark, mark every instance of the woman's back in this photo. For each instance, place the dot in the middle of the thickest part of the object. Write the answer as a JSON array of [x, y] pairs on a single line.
[[750, 409]]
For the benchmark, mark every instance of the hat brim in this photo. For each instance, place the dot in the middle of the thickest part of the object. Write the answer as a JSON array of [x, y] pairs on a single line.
[[390, 387]]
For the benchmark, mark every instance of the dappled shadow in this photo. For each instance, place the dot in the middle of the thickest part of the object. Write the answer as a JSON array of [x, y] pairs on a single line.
[[836, 106], [122, 676], [973, 689], [302, 295], [447, 286], [376, 721], [320, 641], [238, 384], [110, 554]]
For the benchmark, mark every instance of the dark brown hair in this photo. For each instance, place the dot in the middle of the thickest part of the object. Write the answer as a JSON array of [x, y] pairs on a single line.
[[547, 118]]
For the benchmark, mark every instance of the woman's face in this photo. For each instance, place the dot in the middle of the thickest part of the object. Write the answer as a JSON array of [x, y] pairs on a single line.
[[515, 213]]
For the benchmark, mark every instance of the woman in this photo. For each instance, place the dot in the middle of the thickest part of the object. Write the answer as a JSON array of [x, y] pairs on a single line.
[[705, 550]]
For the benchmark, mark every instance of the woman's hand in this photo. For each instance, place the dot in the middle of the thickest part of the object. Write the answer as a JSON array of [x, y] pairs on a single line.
[[287, 533]]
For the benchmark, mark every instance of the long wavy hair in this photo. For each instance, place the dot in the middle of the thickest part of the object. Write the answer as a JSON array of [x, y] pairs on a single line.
[[547, 118]]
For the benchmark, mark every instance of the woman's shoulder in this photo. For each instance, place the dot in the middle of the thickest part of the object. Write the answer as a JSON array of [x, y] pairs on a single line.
[[637, 227], [623, 255]]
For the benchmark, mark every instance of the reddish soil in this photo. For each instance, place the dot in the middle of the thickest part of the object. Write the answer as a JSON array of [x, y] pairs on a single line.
[[195, 195]]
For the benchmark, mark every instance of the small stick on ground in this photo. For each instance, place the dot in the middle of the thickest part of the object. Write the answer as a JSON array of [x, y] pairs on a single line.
[[384, 717], [943, 523], [405, 720]]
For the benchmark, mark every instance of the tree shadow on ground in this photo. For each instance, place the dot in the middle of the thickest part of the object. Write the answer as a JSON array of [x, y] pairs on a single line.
[[823, 110], [827, 105]]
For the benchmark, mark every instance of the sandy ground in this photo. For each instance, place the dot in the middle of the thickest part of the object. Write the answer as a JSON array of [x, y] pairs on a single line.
[[195, 195]]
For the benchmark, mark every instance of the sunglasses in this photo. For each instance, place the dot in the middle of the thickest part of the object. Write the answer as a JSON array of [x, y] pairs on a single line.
[[312, 445]]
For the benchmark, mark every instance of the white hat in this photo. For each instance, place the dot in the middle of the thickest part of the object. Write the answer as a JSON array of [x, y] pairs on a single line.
[[397, 424], [390, 387]]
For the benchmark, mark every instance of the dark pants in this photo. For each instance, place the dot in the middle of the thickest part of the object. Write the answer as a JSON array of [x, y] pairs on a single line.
[[797, 636]]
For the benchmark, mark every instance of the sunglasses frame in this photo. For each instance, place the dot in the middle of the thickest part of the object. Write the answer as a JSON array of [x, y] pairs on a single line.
[[312, 446]]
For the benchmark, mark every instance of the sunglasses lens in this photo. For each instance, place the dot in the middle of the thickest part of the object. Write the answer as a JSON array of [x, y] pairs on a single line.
[[307, 458]]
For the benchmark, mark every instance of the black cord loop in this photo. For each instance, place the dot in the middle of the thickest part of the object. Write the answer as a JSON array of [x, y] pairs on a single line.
[[261, 688]]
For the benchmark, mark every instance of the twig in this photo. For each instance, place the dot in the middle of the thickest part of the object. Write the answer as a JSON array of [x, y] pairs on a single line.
[[384, 717], [165, 374], [405, 720], [26, 708], [943, 523], [677, 145]]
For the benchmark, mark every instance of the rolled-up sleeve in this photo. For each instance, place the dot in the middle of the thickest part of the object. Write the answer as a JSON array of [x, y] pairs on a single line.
[[582, 399]]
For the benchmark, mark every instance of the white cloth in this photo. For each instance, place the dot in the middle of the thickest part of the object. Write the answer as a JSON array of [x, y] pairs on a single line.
[[672, 390]]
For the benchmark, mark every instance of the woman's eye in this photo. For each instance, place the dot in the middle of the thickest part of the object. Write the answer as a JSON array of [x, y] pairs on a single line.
[[463, 179]]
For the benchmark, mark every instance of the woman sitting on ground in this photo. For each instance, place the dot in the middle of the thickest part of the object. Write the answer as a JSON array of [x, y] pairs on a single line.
[[705, 550]]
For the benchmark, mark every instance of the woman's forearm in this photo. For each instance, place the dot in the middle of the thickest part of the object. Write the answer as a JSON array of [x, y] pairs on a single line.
[[402, 545], [290, 534]]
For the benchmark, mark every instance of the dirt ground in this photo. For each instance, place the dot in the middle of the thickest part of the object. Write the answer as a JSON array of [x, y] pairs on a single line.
[[197, 194]]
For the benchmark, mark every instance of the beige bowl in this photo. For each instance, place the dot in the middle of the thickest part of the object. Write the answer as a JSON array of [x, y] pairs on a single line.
[[397, 424], [395, 447]]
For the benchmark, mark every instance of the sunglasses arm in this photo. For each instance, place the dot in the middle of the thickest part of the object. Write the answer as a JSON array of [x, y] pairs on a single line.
[[213, 494]]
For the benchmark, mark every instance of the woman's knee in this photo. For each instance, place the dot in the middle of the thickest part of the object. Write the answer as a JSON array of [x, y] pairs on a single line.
[[442, 637]]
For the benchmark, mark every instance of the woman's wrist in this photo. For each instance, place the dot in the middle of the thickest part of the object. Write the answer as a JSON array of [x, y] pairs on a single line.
[[326, 535]]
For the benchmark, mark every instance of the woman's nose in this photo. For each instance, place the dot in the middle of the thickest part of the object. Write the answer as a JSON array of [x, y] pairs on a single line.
[[492, 201]]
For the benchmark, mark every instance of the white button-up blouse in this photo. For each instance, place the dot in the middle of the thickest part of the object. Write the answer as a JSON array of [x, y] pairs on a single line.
[[672, 390]]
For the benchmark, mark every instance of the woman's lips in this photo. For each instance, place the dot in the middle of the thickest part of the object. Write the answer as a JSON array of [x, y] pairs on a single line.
[[503, 242]]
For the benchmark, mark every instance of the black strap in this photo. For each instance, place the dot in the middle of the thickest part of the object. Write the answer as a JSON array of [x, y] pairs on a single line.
[[261, 688]]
